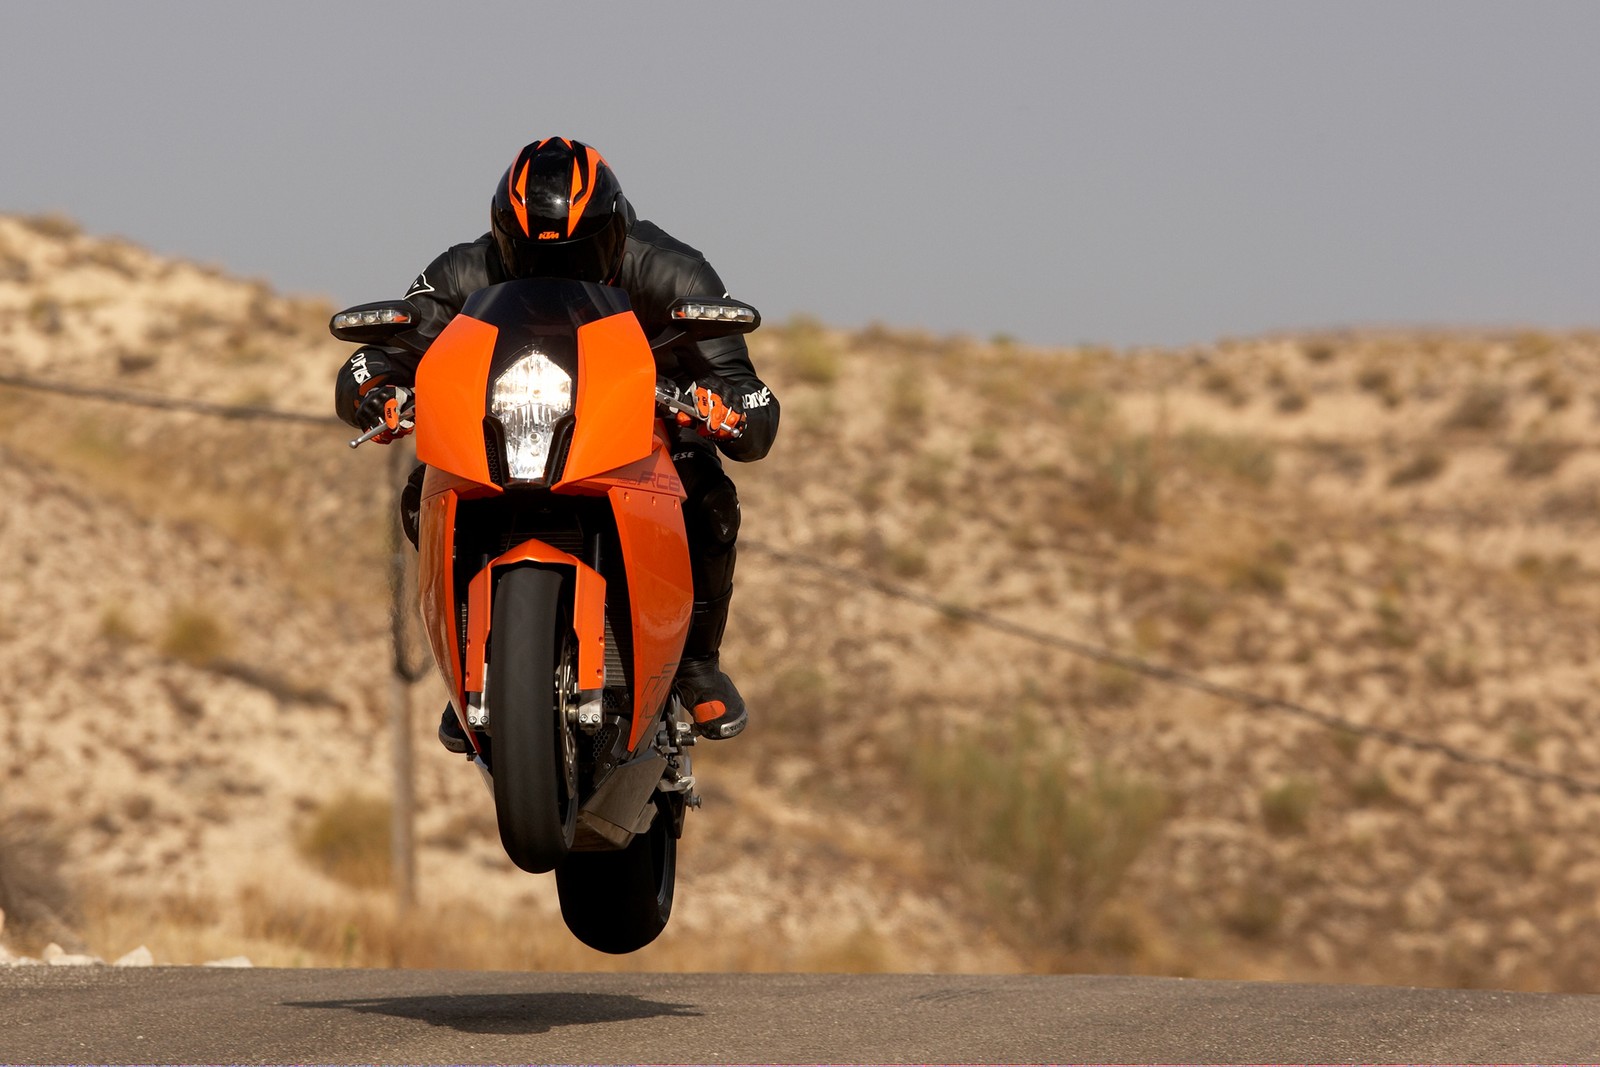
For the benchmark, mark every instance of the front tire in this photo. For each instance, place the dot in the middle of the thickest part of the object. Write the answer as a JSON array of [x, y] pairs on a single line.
[[535, 794], [620, 901]]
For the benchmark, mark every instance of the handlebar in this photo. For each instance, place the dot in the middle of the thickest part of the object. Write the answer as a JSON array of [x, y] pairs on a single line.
[[664, 398], [380, 428]]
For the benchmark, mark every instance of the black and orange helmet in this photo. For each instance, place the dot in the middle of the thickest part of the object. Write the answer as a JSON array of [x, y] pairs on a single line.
[[559, 212]]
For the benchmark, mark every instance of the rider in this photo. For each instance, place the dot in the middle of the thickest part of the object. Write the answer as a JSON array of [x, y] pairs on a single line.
[[559, 213]]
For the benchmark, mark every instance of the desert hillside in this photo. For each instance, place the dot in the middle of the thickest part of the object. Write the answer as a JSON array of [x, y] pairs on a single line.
[[1392, 529]]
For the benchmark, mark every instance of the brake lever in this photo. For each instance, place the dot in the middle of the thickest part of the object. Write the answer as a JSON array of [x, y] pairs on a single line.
[[380, 428], [673, 403]]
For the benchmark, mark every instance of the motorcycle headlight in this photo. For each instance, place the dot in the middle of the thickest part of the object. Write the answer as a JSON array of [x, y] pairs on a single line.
[[528, 398]]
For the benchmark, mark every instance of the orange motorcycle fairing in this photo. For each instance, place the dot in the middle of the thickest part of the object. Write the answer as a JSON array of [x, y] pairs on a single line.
[[660, 593], [616, 391], [451, 400], [654, 473], [436, 583]]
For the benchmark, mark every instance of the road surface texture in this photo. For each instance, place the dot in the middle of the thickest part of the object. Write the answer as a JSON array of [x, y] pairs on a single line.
[[207, 1015]]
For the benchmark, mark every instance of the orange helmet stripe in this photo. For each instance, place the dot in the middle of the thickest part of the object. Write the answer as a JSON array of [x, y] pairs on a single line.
[[519, 197], [582, 186]]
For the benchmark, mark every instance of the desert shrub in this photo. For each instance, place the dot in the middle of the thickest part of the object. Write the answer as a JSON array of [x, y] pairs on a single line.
[[116, 627], [908, 401], [45, 314], [1286, 807], [1556, 390], [1346, 741], [1577, 505], [348, 840], [1453, 668], [1051, 847], [1123, 480], [1371, 788], [53, 225], [1221, 382], [926, 479], [34, 893], [1238, 456], [194, 636], [1264, 574], [1425, 466], [812, 357], [1195, 607], [1257, 914], [1318, 351], [1111, 686], [1549, 573], [1293, 401], [907, 560], [1482, 407], [1394, 629], [115, 256], [1345, 460], [796, 698], [1537, 458], [1533, 344], [1375, 379]]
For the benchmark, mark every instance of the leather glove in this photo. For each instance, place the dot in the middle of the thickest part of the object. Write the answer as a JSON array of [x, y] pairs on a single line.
[[390, 405], [719, 410]]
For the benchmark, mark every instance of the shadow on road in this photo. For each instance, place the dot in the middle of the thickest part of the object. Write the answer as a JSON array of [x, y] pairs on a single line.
[[508, 1013]]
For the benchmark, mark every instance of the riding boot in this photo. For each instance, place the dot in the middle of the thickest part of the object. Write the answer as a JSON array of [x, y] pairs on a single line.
[[451, 736], [718, 709]]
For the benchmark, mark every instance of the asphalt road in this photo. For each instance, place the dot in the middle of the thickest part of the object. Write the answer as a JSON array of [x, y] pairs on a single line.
[[196, 1015]]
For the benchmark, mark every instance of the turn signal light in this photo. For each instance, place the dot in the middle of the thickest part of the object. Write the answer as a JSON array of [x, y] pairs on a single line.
[[713, 312], [346, 319]]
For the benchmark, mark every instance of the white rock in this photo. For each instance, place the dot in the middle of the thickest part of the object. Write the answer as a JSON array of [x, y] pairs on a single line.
[[139, 957], [73, 959], [56, 956], [231, 961]]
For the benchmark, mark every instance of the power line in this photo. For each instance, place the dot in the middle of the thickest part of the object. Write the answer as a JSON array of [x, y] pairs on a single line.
[[1170, 675], [862, 579], [167, 403]]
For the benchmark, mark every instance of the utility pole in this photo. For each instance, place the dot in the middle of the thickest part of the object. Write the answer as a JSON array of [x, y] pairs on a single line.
[[402, 818]]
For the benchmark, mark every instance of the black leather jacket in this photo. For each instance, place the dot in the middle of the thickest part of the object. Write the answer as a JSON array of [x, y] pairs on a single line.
[[656, 270]]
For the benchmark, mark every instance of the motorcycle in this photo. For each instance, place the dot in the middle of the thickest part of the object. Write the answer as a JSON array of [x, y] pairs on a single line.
[[554, 579]]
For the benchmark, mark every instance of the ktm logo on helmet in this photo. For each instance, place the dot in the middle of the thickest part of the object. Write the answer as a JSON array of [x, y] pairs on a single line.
[[549, 235]]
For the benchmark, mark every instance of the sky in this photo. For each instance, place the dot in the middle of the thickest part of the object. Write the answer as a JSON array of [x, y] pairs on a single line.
[[1123, 173]]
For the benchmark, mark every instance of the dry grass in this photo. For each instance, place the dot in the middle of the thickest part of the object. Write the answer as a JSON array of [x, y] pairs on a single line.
[[348, 840], [1482, 408], [808, 354], [1053, 845], [195, 636], [1286, 807], [1425, 466], [38, 902]]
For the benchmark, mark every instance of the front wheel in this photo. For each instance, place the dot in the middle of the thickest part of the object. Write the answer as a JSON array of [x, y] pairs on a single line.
[[534, 766], [620, 901]]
